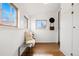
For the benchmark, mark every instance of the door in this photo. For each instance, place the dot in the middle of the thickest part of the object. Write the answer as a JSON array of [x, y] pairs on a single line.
[[66, 28], [76, 29]]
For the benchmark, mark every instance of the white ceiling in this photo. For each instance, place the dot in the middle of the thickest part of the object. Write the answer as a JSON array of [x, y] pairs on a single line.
[[36, 9]]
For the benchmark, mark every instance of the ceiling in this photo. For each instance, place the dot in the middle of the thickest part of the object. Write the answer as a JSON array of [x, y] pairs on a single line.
[[36, 9]]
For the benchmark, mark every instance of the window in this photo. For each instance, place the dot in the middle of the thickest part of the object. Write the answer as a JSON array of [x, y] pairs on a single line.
[[8, 14], [40, 24]]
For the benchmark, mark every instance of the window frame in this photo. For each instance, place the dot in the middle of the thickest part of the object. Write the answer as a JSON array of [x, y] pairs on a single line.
[[16, 17], [41, 27]]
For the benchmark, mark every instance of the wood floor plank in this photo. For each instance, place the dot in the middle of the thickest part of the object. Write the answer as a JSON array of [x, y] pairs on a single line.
[[43, 49]]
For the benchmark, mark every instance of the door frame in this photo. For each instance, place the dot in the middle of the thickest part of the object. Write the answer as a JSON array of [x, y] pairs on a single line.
[[59, 27]]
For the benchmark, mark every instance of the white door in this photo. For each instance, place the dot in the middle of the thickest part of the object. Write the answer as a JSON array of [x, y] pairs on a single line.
[[66, 28], [76, 29]]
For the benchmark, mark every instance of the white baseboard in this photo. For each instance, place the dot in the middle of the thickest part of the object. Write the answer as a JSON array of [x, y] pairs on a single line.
[[45, 42]]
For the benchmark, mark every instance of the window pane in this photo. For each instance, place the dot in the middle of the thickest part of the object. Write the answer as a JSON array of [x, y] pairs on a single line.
[[13, 14], [7, 14], [0, 11], [40, 24], [43, 23]]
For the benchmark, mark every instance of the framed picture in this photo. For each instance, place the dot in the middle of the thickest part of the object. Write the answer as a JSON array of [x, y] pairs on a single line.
[[41, 24], [8, 14]]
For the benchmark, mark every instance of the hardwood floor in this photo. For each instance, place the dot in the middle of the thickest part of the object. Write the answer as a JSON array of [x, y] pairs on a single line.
[[43, 49]]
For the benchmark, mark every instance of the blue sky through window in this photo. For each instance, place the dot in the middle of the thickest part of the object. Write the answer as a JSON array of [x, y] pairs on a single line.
[[40, 24], [8, 12]]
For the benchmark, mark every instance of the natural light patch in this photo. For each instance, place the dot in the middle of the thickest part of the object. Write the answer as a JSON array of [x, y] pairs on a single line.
[[7, 14], [40, 24]]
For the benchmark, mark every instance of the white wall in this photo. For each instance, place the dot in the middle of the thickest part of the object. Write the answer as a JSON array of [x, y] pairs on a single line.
[[66, 29], [44, 12], [45, 35], [10, 40], [40, 11]]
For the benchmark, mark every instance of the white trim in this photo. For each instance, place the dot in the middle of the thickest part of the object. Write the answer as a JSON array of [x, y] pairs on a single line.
[[45, 42]]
